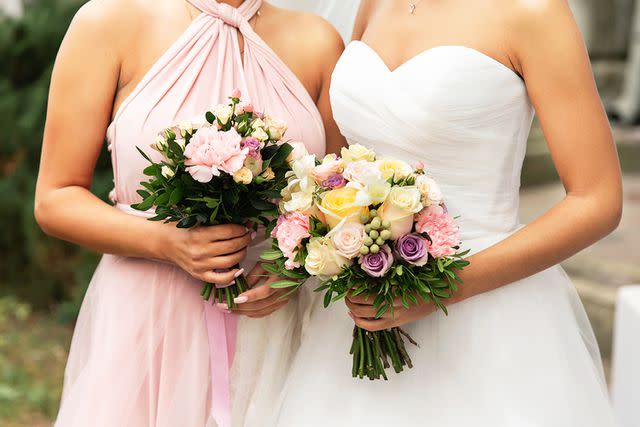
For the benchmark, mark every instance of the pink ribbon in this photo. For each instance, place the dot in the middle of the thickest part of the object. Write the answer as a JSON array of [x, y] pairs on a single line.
[[222, 330]]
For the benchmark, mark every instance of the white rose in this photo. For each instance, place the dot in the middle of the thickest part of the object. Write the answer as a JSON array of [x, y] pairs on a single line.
[[223, 113], [399, 209], [243, 176], [260, 135], [323, 259], [299, 151], [431, 194], [357, 152], [258, 123], [276, 127], [348, 238], [394, 168], [167, 172]]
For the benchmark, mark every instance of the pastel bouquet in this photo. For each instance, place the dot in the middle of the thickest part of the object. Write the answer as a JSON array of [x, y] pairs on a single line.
[[368, 226], [226, 167]]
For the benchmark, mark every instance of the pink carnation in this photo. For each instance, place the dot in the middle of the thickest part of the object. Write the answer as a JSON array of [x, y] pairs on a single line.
[[441, 228], [211, 151], [291, 230]]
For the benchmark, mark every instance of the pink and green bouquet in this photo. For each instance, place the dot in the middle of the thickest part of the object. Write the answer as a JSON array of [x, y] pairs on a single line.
[[226, 167], [369, 226]]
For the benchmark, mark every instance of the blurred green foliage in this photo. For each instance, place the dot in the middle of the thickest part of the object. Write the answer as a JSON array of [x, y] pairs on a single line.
[[34, 267]]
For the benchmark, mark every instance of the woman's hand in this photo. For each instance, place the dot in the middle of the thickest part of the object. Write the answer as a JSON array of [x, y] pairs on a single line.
[[363, 312], [201, 251], [261, 300]]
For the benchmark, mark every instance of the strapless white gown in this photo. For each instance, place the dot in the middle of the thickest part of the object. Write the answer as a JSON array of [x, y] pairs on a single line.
[[522, 355]]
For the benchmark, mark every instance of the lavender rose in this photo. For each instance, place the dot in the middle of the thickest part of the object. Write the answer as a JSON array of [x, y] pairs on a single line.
[[377, 265], [412, 248], [334, 181]]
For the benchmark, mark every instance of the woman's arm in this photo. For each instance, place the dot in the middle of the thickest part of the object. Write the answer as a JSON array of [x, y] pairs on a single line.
[[551, 56], [83, 87]]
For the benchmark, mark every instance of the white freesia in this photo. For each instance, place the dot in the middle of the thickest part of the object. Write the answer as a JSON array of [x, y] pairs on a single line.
[[299, 151], [223, 113], [357, 152], [348, 238], [372, 188], [323, 259]]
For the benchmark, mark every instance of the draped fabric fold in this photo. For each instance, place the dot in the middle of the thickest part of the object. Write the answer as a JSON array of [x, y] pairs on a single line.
[[146, 350]]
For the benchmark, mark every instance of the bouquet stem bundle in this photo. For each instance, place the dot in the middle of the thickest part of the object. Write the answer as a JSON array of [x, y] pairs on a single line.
[[374, 352]]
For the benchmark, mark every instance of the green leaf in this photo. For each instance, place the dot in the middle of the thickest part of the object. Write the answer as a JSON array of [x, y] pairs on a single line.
[[271, 255], [175, 197], [151, 170], [261, 205], [210, 117], [282, 284], [143, 193], [281, 155], [144, 154], [146, 204], [163, 199], [327, 298]]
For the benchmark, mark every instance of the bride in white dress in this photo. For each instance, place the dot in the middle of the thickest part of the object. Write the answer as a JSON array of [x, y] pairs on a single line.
[[455, 84]]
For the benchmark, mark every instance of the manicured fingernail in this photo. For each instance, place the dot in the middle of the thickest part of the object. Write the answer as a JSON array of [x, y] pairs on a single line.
[[222, 306], [241, 299], [352, 316], [253, 235], [233, 282], [239, 273]]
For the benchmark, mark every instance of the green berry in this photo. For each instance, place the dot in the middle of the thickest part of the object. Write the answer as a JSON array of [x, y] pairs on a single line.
[[376, 223], [374, 234], [386, 224], [373, 213], [374, 249], [364, 250], [380, 241], [367, 228], [385, 234], [368, 241], [399, 270], [364, 218]]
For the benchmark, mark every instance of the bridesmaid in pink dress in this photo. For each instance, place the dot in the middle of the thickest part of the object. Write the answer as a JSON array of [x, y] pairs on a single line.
[[146, 350]]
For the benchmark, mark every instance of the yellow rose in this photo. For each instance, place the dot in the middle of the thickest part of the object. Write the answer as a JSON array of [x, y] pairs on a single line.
[[394, 168], [339, 204], [399, 209], [357, 152]]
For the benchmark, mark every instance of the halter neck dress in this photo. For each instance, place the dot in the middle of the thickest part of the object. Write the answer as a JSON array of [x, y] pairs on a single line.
[[145, 341]]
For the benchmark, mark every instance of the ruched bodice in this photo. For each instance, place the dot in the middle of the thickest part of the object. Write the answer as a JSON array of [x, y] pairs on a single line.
[[200, 70], [461, 112]]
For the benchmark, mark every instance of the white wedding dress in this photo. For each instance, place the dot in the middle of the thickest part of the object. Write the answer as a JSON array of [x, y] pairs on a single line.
[[523, 355]]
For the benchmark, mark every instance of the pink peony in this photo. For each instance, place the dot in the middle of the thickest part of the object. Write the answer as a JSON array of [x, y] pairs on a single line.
[[211, 151], [291, 230], [236, 93], [441, 228]]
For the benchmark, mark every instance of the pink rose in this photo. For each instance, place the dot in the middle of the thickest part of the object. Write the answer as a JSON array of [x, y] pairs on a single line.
[[291, 230], [211, 151], [236, 93], [348, 238], [441, 229]]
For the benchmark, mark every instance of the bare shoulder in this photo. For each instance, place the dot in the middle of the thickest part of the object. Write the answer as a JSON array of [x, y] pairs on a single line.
[[538, 15], [310, 33]]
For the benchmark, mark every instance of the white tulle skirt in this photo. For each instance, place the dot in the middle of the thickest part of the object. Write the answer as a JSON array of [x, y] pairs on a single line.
[[523, 355]]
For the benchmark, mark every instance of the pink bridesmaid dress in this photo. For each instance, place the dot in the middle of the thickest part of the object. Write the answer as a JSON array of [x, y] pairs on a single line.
[[140, 354]]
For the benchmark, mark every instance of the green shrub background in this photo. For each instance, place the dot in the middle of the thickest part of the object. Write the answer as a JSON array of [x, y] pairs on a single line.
[[38, 269]]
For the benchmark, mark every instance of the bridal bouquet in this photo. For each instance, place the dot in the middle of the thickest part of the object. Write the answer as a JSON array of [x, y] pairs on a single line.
[[368, 226], [227, 167]]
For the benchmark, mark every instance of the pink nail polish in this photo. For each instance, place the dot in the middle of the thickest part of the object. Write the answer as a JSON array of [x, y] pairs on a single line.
[[241, 300], [239, 273], [253, 235], [222, 306]]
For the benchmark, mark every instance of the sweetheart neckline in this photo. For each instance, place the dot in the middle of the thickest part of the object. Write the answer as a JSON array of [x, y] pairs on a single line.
[[431, 50]]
